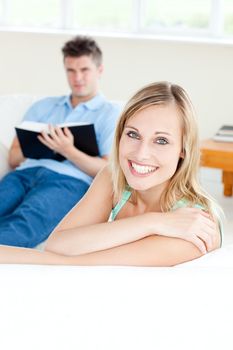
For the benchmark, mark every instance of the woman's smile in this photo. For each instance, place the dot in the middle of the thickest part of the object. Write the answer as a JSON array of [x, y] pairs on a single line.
[[139, 169]]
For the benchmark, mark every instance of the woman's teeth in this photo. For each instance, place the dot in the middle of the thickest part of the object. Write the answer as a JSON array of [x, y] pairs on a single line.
[[143, 169]]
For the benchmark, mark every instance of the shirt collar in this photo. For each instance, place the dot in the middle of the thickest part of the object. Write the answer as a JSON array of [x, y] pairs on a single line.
[[92, 104], [65, 100]]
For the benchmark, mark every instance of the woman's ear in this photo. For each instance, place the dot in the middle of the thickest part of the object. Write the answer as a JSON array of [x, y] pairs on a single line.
[[182, 154]]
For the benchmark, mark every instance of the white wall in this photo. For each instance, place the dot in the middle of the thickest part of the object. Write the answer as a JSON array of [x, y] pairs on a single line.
[[32, 63]]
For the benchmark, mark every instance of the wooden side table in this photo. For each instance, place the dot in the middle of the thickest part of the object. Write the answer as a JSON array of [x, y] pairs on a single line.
[[219, 155]]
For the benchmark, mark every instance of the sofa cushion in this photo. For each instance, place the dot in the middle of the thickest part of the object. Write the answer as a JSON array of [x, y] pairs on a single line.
[[4, 167], [12, 109]]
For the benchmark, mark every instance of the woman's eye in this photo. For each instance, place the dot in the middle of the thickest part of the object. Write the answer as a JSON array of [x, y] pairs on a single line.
[[133, 134], [161, 141]]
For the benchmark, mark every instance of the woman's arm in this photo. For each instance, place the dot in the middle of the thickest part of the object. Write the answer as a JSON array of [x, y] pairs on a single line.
[[91, 238], [150, 251], [85, 229], [16, 255], [187, 223], [93, 208]]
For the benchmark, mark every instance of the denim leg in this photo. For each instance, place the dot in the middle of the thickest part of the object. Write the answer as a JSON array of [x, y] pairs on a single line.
[[13, 188], [50, 199]]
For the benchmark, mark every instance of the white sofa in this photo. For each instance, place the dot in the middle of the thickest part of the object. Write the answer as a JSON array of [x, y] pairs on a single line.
[[189, 306]]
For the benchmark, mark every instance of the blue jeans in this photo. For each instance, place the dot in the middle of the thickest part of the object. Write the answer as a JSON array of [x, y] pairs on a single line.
[[33, 201]]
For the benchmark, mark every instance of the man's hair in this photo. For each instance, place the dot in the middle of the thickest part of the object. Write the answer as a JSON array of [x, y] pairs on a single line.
[[83, 46]]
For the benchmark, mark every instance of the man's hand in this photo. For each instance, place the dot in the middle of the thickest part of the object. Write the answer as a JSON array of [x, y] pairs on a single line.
[[59, 140], [62, 141]]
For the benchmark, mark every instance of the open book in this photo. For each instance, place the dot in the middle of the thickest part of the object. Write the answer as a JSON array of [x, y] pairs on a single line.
[[27, 133], [224, 134]]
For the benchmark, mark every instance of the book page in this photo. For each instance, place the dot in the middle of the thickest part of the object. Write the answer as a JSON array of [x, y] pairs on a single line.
[[38, 127], [63, 125], [33, 126]]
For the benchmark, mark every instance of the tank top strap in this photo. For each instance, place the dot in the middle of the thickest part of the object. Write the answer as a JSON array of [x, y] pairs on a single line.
[[124, 198]]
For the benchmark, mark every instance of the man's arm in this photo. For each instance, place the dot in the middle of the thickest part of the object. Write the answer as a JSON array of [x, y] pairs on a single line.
[[15, 156], [88, 164], [62, 142]]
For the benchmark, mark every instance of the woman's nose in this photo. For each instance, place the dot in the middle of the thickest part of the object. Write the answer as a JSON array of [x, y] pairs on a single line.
[[143, 151]]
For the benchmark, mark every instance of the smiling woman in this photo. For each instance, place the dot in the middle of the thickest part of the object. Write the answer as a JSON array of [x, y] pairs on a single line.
[[149, 209], [151, 143]]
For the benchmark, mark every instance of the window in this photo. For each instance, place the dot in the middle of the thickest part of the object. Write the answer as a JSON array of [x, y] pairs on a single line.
[[31, 13], [207, 18], [110, 15], [228, 17], [178, 15]]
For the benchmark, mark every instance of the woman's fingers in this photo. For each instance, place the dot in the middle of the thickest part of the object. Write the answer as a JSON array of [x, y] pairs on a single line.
[[206, 233], [198, 243], [207, 239], [198, 227]]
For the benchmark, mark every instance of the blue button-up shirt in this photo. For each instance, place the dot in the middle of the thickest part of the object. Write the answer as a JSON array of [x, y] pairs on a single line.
[[55, 110]]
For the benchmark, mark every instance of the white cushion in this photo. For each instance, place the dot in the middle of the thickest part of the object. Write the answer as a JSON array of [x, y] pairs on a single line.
[[78, 307], [4, 168], [219, 258], [12, 109]]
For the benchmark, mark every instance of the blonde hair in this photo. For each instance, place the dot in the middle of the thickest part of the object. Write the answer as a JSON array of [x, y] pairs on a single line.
[[184, 183]]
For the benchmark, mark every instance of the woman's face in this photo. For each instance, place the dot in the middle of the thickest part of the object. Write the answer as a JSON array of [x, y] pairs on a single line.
[[150, 146]]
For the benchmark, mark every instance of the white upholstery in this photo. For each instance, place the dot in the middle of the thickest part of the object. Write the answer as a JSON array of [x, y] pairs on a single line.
[[12, 109], [114, 308], [3, 160]]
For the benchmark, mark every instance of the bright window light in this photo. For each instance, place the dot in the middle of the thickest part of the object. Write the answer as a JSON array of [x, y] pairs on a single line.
[[32, 13], [228, 17], [113, 15], [176, 15], [193, 18]]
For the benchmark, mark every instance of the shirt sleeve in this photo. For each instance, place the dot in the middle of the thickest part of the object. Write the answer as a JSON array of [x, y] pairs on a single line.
[[38, 111], [107, 131]]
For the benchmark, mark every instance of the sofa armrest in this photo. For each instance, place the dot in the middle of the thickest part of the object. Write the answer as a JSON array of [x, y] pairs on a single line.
[[4, 167]]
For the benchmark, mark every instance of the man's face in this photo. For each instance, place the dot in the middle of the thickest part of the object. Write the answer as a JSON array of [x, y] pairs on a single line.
[[83, 75]]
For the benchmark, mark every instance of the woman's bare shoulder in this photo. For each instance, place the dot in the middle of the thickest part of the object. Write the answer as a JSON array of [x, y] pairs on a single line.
[[95, 206], [103, 181]]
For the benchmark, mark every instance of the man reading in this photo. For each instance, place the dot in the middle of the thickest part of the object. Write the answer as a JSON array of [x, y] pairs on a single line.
[[38, 193]]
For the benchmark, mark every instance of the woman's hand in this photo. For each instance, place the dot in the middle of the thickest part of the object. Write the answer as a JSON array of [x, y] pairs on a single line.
[[58, 140], [191, 224]]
